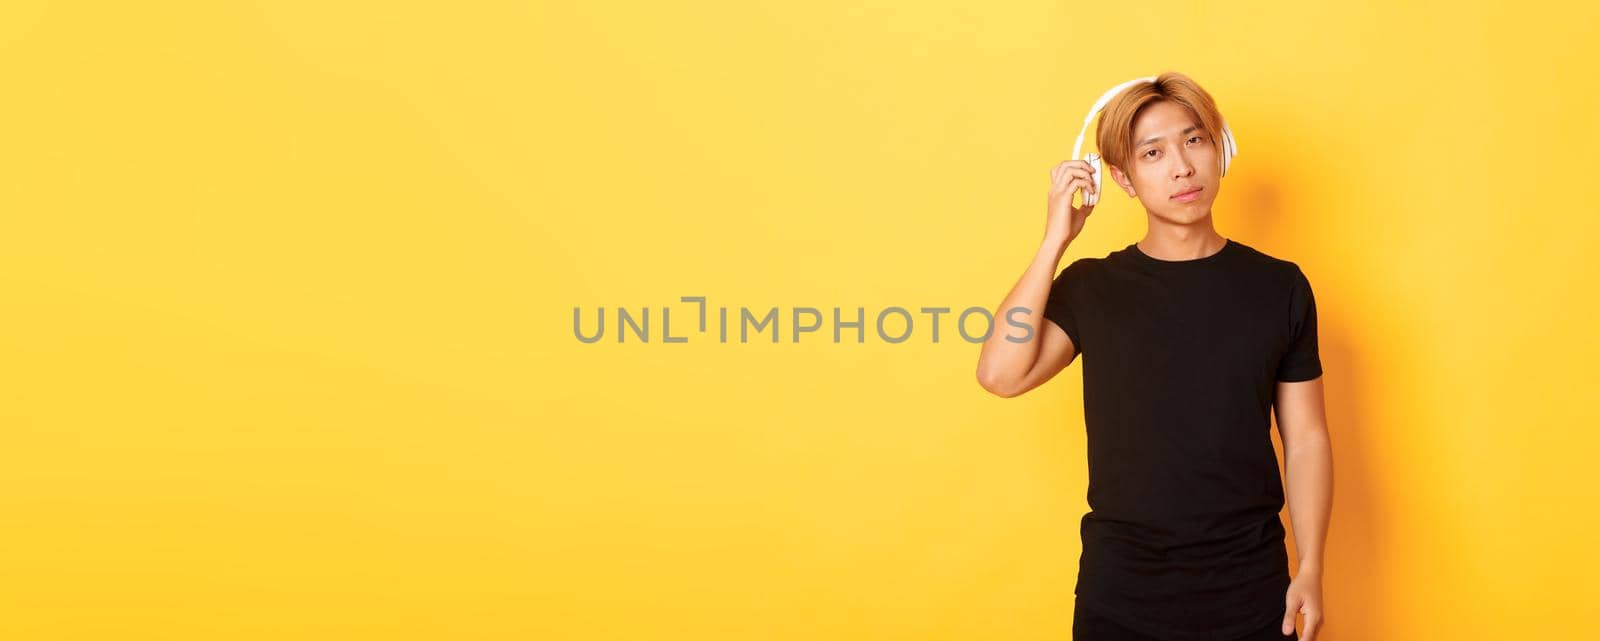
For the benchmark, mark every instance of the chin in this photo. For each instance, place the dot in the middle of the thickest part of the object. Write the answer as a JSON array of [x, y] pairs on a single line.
[[1183, 215]]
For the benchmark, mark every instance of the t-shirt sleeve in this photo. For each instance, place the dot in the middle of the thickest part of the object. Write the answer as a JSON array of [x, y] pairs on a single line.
[[1301, 362], [1058, 308]]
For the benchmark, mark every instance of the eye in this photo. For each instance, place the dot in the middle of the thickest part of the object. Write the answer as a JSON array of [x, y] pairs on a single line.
[[1195, 138], [1147, 154]]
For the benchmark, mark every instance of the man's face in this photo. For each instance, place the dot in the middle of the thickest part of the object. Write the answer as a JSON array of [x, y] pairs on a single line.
[[1171, 154]]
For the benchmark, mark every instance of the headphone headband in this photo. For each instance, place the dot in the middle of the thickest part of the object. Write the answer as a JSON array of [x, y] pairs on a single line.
[[1100, 104]]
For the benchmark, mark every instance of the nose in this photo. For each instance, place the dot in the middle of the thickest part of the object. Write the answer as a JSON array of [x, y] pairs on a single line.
[[1184, 168]]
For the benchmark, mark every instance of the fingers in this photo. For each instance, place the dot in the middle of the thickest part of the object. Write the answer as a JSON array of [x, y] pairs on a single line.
[[1080, 164], [1069, 178], [1086, 182], [1079, 173], [1288, 616], [1076, 167], [1314, 623], [1076, 182], [1071, 166]]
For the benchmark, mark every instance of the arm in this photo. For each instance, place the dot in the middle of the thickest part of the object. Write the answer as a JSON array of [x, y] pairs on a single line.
[[1308, 468], [1007, 368]]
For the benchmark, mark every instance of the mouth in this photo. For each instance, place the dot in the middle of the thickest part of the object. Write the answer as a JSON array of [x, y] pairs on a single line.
[[1187, 196]]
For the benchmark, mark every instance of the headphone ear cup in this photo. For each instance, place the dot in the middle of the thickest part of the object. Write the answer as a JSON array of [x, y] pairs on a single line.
[[1088, 198], [1230, 148]]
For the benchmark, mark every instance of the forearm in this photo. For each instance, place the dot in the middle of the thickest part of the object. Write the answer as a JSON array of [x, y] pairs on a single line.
[[1004, 360], [1308, 471]]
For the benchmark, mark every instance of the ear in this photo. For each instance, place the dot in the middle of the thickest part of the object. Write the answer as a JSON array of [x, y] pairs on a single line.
[[1122, 180]]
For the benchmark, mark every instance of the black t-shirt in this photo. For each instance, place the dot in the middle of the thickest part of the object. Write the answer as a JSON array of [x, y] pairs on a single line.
[[1180, 363]]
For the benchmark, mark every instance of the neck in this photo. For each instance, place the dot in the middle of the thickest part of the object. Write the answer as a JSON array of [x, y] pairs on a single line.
[[1168, 241]]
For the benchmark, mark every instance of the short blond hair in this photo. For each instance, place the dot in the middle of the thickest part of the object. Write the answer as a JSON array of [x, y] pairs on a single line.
[[1114, 134]]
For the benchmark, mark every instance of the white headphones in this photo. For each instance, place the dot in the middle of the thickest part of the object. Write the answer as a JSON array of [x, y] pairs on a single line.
[[1229, 148]]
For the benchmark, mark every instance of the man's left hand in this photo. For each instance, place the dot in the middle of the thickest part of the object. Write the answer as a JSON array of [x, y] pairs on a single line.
[[1304, 597]]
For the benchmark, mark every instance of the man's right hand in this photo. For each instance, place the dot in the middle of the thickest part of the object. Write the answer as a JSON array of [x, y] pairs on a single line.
[[1065, 221]]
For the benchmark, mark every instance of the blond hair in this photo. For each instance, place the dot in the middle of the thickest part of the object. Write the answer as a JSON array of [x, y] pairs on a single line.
[[1114, 134]]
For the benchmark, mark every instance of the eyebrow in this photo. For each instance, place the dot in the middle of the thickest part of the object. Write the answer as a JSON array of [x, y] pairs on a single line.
[[1151, 140]]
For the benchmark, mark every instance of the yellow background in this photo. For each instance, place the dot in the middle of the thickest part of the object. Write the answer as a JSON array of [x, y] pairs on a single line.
[[288, 288]]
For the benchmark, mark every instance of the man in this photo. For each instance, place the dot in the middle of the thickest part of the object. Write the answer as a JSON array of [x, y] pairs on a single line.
[[1189, 340]]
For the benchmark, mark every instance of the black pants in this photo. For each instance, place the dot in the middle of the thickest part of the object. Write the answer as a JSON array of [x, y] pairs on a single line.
[[1088, 625]]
